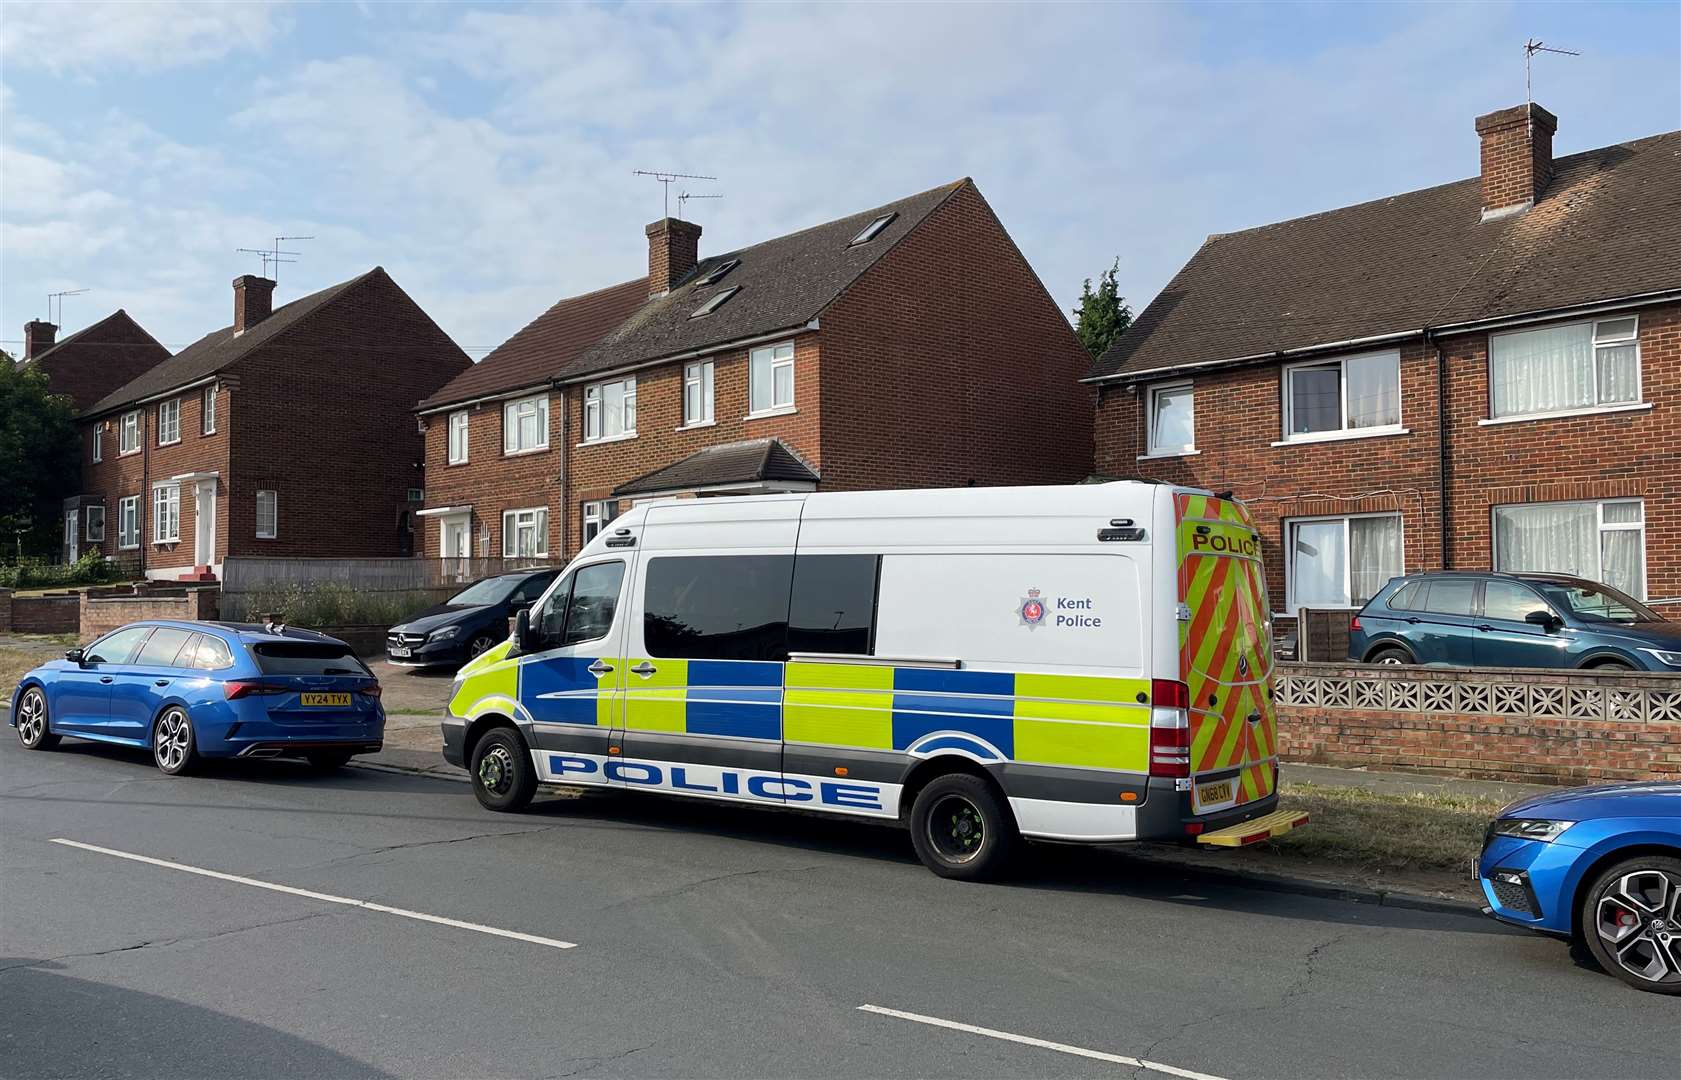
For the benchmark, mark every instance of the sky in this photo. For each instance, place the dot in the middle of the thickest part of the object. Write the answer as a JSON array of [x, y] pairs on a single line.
[[484, 154]]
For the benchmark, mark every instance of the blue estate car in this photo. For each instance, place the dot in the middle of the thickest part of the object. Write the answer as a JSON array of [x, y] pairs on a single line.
[[191, 690], [1601, 865], [1487, 619]]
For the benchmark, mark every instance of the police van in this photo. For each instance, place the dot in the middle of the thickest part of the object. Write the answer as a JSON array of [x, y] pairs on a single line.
[[1078, 664]]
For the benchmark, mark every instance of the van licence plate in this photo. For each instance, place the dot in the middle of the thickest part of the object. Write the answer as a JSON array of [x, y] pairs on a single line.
[[1215, 794], [323, 699]]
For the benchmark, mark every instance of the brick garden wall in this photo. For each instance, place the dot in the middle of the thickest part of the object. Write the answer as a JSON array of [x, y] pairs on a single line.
[[52, 614], [104, 610], [1500, 724]]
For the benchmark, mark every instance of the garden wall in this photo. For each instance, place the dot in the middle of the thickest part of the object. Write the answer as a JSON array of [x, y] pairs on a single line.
[[1498, 723], [54, 613], [106, 609]]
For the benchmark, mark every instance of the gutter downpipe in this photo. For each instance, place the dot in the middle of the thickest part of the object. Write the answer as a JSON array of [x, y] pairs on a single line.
[[565, 473], [1442, 445]]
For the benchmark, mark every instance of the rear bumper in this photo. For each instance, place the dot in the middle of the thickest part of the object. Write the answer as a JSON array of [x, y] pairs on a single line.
[[300, 747], [1166, 814]]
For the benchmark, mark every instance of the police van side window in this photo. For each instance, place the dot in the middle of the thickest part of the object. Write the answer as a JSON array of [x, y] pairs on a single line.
[[717, 607], [834, 604], [581, 607]]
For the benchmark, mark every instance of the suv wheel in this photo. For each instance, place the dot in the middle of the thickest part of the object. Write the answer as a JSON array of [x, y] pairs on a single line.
[[1391, 656]]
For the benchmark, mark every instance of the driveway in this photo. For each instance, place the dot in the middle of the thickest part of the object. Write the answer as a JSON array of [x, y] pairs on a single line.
[[414, 703]]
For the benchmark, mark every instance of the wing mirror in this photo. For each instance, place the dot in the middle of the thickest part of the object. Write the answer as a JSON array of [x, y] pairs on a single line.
[[522, 630], [1544, 619], [74, 656]]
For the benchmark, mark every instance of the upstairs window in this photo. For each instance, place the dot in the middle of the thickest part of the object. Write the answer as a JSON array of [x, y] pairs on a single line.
[[873, 229], [1562, 369], [770, 377], [1347, 396], [128, 433], [169, 422], [525, 425], [697, 393], [1172, 420], [458, 437], [99, 442], [717, 301], [208, 414], [610, 410]]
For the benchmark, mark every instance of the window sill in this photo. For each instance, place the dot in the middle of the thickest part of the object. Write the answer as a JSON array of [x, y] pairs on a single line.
[[172, 442], [523, 453], [1597, 410], [166, 543], [463, 461], [1343, 436], [128, 547], [610, 439], [1162, 455], [260, 536], [785, 410], [127, 453], [699, 424]]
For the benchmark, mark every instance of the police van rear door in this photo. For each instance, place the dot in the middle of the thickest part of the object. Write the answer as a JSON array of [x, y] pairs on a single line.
[[1225, 653]]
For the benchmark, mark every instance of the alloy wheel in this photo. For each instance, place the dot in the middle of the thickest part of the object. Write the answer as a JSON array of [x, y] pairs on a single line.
[[479, 646], [956, 828], [173, 741], [32, 718], [1638, 921]]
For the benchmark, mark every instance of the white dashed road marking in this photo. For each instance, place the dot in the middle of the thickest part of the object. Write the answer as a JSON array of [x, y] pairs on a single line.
[[326, 898], [1043, 1044]]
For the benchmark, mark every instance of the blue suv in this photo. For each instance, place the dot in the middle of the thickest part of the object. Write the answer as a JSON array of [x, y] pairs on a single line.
[[1512, 620]]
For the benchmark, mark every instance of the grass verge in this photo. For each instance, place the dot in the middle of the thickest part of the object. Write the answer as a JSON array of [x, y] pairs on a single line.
[[1372, 830]]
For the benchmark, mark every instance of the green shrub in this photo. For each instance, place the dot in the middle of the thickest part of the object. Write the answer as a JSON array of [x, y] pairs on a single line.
[[333, 603], [91, 569]]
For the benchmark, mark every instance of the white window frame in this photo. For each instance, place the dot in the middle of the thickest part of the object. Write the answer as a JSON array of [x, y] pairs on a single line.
[[89, 513], [698, 375], [1638, 403], [1347, 546], [166, 513], [1604, 527], [207, 412], [595, 516], [1399, 427], [174, 405], [539, 523], [511, 412], [274, 514], [98, 442], [595, 400], [775, 408], [128, 523], [1150, 447], [128, 433], [457, 429]]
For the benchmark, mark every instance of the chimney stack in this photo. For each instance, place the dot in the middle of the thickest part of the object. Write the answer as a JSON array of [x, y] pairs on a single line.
[[673, 251], [38, 337], [253, 301], [1517, 158]]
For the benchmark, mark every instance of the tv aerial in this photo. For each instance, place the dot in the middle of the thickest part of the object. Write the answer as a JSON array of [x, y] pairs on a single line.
[[686, 196], [666, 179], [59, 296]]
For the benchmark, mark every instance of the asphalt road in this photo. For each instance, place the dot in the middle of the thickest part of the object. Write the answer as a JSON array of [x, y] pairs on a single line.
[[709, 941]]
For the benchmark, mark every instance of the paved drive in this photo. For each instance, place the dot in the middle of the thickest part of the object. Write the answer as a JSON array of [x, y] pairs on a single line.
[[709, 941]]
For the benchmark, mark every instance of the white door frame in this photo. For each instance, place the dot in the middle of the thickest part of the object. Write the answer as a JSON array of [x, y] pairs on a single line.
[[446, 524], [204, 522], [72, 531]]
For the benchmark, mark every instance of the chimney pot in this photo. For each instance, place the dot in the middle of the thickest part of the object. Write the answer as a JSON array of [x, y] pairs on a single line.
[[38, 337], [673, 251], [253, 301], [1517, 158]]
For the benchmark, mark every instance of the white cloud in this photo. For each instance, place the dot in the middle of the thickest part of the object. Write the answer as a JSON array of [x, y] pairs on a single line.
[[90, 38]]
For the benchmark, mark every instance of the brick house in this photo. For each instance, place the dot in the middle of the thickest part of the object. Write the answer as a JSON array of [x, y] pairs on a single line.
[[910, 345], [1485, 374], [289, 432], [93, 361]]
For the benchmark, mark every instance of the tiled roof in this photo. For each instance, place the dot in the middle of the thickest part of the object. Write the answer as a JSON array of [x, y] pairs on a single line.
[[215, 351], [747, 462], [784, 283], [546, 344], [1607, 226], [99, 357]]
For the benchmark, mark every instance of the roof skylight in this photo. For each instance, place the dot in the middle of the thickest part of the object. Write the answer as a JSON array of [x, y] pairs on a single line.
[[872, 229], [714, 303], [716, 274]]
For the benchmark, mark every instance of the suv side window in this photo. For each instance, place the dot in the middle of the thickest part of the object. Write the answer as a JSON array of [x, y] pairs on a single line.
[[1510, 601], [1405, 597], [1450, 596]]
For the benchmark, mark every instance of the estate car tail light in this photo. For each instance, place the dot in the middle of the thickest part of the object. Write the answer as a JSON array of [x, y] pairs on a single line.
[[372, 691], [1170, 729], [239, 688], [1354, 624]]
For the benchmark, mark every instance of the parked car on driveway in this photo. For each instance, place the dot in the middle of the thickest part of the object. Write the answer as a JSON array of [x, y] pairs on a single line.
[[1601, 865], [1512, 620], [192, 690], [466, 624]]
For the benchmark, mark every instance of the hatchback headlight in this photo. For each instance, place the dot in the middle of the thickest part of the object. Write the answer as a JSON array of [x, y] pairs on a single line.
[[1541, 829], [445, 634], [1673, 659]]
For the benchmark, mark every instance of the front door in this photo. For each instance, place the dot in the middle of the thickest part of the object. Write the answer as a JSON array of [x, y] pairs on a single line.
[[570, 683], [452, 536], [204, 518], [70, 550]]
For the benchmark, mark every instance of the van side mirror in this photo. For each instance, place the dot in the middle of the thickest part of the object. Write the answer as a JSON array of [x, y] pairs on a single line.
[[74, 656], [1544, 619], [522, 630]]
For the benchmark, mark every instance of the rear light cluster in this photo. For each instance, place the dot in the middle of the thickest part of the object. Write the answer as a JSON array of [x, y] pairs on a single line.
[[1354, 625], [372, 691], [1170, 729], [239, 688]]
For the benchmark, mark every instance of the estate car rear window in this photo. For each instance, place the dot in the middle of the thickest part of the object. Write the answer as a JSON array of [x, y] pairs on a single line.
[[718, 607], [306, 658]]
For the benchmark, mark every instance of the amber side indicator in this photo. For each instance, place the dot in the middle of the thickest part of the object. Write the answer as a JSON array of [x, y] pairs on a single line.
[[612, 749], [1129, 796], [840, 770]]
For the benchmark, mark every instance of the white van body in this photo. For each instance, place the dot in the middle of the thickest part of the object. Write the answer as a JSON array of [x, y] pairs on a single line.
[[1100, 653]]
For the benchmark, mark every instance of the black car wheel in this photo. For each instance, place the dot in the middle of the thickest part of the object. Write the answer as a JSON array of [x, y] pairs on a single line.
[[33, 732], [504, 778], [1632, 922], [480, 644], [961, 828]]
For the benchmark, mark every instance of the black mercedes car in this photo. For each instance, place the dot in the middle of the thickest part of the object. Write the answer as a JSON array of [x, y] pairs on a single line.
[[466, 624]]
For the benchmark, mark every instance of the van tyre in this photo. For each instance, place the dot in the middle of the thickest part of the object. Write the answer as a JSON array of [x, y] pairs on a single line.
[[962, 829], [31, 718], [174, 748], [503, 777], [1631, 921]]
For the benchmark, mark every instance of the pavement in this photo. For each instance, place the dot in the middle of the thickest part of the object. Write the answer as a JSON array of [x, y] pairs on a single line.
[[262, 919]]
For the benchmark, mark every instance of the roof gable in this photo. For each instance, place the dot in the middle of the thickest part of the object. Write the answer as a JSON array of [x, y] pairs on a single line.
[[100, 356], [1607, 226]]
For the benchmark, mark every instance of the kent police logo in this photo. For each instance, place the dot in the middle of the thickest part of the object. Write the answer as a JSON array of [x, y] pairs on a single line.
[[1031, 610]]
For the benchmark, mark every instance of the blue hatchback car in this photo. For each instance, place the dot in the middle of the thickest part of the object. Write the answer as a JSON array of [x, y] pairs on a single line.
[[1601, 865], [1487, 619], [192, 690]]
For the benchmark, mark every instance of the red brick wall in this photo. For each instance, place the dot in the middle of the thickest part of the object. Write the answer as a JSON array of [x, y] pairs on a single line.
[[52, 614], [100, 613], [488, 481], [1239, 416], [947, 364]]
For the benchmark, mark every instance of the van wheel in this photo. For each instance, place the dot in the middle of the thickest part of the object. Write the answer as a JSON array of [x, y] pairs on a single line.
[[503, 777], [1392, 657], [961, 829]]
